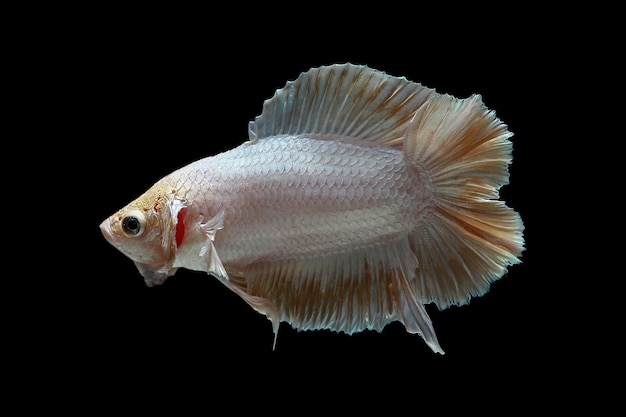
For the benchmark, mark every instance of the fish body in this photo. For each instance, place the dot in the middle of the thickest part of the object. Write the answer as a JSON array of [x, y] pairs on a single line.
[[291, 197], [358, 198]]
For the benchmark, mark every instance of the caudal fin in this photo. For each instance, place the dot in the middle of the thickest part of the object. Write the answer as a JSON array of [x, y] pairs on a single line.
[[470, 237]]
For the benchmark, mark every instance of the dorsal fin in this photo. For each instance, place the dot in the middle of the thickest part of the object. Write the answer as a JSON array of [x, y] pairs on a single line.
[[342, 101]]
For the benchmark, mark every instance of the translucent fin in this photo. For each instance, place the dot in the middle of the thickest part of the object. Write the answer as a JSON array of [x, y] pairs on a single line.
[[469, 238], [348, 292], [208, 252], [342, 101], [198, 250]]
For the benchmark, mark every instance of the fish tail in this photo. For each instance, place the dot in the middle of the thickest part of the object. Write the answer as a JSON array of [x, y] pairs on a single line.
[[467, 238]]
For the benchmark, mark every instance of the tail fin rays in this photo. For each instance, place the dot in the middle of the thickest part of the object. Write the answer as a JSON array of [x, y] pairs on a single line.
[[469, 238]]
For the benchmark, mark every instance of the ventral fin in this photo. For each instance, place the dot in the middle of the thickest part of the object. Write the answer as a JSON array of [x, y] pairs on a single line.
[[342, 101]]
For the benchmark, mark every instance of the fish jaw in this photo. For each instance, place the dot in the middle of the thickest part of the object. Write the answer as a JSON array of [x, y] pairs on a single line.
[[105, 228]]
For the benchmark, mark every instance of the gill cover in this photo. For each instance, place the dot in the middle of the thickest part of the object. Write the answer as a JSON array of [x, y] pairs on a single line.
[[165, 229]]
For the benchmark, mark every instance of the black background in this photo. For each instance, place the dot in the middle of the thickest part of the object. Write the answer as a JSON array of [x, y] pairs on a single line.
[[127, 98]]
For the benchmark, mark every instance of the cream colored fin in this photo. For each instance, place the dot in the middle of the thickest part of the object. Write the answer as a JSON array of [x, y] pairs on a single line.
[[342, 101], [197, 251], [347, 292], [470, 237], [214, 264], [208, 252]]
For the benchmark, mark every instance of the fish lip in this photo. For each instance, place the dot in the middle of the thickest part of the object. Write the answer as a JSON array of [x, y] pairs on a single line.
[[105, 228]]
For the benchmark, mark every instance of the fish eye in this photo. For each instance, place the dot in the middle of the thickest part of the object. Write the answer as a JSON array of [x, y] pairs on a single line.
[[134, 223]]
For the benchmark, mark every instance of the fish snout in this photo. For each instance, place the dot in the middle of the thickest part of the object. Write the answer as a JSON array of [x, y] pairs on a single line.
[[105, 228]]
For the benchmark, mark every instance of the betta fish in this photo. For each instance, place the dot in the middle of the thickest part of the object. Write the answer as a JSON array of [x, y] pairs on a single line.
[[358, 198]]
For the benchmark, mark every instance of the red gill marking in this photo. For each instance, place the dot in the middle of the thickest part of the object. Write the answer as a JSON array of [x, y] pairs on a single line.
[[180, 226]]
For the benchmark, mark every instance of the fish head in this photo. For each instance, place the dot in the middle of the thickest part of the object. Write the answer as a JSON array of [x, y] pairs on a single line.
[[144, 231]]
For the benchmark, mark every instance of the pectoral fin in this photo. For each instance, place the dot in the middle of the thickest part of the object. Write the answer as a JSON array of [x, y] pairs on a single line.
[[207, 251], [197, 250]]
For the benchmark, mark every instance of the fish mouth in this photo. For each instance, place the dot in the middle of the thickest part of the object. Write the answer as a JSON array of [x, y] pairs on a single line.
[[105, 228]]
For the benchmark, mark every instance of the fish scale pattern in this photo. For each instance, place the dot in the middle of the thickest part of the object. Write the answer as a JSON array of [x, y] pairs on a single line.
[[292, 196]]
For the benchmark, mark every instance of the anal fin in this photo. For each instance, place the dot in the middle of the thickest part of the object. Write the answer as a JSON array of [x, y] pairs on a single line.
[[366, 288]]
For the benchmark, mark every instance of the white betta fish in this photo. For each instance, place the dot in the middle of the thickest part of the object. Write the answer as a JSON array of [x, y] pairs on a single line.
[[358, 198]]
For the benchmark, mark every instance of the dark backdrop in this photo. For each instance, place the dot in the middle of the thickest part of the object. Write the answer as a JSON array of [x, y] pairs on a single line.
[[127, 99]]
